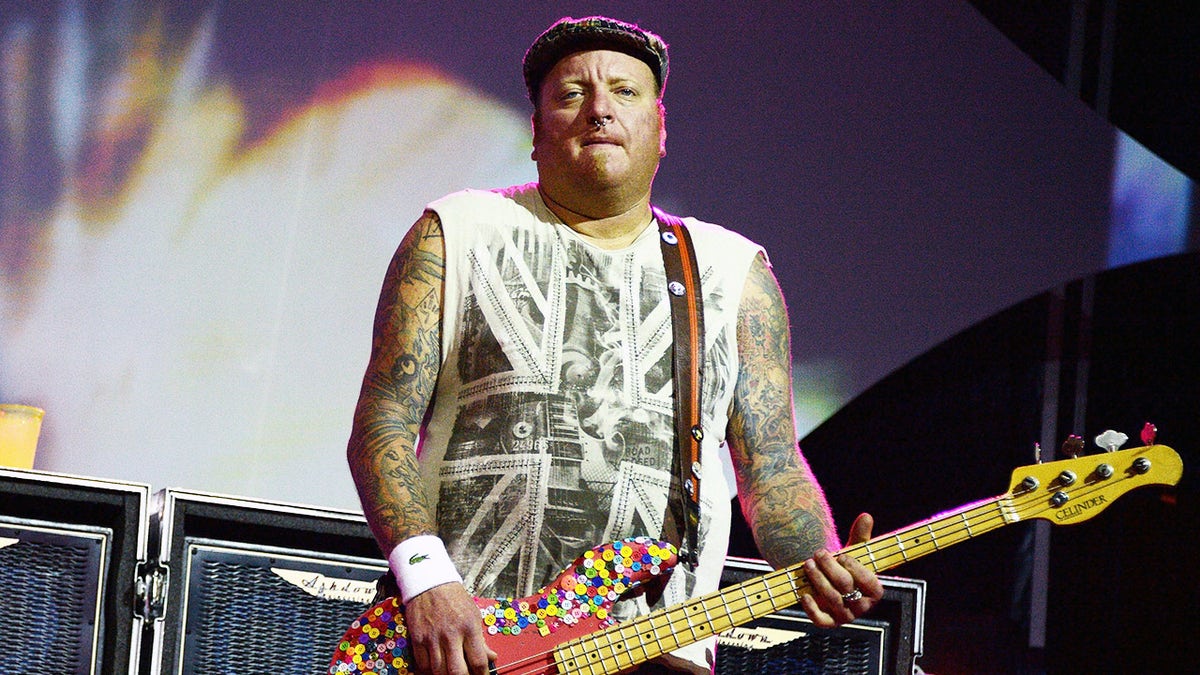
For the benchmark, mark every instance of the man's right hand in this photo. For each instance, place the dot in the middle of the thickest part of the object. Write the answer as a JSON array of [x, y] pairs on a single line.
[[446, 632]]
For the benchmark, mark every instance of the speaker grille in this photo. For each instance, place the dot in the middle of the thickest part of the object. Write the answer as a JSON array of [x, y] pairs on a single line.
[[243, 617], [819, 656], [50, 598], [853, 649]]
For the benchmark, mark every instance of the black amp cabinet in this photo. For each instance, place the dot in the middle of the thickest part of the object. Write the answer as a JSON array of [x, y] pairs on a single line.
[[69, 552], [249, 586], [99, 577], [887, 641]]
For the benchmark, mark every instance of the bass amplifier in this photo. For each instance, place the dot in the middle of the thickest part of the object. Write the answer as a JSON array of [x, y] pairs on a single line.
[[249, 586], [887, 641], [69, 552]]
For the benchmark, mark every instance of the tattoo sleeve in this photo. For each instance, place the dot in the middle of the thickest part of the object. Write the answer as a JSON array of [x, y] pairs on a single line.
[[779, 495], [398, 388]]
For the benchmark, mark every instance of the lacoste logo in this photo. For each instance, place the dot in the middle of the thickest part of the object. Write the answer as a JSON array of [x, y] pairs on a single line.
[[420, 557]]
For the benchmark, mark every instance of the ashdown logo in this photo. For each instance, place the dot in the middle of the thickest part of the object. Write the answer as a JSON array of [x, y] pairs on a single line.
[[758, 637], [1079, 508], [329, 588]]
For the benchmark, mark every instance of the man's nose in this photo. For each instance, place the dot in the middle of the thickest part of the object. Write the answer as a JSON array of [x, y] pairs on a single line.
[[599, 107]]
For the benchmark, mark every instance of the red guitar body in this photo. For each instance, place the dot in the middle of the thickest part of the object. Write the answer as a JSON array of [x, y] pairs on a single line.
[[523, 631]]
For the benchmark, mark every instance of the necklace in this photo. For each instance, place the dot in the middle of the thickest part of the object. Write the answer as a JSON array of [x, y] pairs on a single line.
[[613, 242]]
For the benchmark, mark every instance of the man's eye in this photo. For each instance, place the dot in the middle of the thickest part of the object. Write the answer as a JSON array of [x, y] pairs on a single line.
[[626, 91]]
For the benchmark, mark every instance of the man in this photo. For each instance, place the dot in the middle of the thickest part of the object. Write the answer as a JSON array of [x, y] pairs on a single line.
[[523, 336]]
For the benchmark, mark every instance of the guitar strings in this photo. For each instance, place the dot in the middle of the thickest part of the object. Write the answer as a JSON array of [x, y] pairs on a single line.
[[984, 516]]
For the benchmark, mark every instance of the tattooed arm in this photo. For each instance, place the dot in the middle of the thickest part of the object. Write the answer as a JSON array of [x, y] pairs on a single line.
[[397, 389], [780, 497]]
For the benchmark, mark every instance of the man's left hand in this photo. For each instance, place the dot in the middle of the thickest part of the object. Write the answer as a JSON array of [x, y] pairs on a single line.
[[843, 589]]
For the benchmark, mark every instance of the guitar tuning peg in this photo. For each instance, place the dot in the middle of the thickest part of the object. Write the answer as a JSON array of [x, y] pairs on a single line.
[[1149, 433], [1073, 446], [1111, 440]]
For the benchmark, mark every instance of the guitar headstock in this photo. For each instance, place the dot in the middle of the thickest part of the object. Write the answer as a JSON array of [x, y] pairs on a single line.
[[1069, 491]]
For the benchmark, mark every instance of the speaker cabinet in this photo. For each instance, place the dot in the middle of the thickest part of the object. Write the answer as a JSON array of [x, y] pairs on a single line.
[[250, 586], [69, 553], [885, 642]]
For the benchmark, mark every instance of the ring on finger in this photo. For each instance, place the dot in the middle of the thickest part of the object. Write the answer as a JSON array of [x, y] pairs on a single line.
[[853, 595]]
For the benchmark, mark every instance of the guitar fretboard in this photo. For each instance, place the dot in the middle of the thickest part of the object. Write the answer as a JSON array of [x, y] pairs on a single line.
[[645, 638]]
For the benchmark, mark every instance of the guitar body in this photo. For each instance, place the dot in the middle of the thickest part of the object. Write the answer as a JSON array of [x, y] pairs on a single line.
[[523, 631]]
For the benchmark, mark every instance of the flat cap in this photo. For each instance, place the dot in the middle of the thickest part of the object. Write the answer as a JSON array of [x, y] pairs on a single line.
[[567, 36]]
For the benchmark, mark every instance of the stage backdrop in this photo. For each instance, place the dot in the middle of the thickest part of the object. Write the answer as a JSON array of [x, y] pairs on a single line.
[[199, 199]]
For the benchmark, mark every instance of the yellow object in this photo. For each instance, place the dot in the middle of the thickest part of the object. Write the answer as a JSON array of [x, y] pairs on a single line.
[[19, 429]]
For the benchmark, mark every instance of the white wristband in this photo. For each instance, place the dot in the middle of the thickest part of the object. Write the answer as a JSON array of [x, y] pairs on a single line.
[[420, 563]]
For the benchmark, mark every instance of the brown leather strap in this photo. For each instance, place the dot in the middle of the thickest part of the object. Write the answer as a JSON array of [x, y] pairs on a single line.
[[687, 321]]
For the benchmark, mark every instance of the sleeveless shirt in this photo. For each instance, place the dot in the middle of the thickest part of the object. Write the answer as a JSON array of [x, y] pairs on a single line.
[[552, 425]]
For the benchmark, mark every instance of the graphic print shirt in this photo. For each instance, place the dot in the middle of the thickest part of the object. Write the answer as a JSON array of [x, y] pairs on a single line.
[[553, 422]]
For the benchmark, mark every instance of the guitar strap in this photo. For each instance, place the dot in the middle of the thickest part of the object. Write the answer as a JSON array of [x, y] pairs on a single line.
[[687, 322]]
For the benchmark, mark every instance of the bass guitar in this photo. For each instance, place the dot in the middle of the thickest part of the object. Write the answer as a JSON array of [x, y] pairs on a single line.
[[567, 626]]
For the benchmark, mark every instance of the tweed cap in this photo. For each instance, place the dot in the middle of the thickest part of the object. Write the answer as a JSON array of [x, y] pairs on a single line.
[[567, 36]]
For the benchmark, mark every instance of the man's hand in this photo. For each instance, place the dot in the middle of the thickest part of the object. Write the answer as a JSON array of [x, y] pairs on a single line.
[[446, 632], [843, 588]]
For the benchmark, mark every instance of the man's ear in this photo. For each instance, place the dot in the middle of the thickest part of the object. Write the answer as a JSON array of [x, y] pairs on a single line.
[[533, 124], [662, 130]]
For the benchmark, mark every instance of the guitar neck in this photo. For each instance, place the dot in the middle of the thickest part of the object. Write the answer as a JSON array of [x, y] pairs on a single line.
[[647, 637]]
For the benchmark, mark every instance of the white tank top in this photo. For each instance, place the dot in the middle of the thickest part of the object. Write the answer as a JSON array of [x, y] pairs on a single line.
[[551, 430]]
